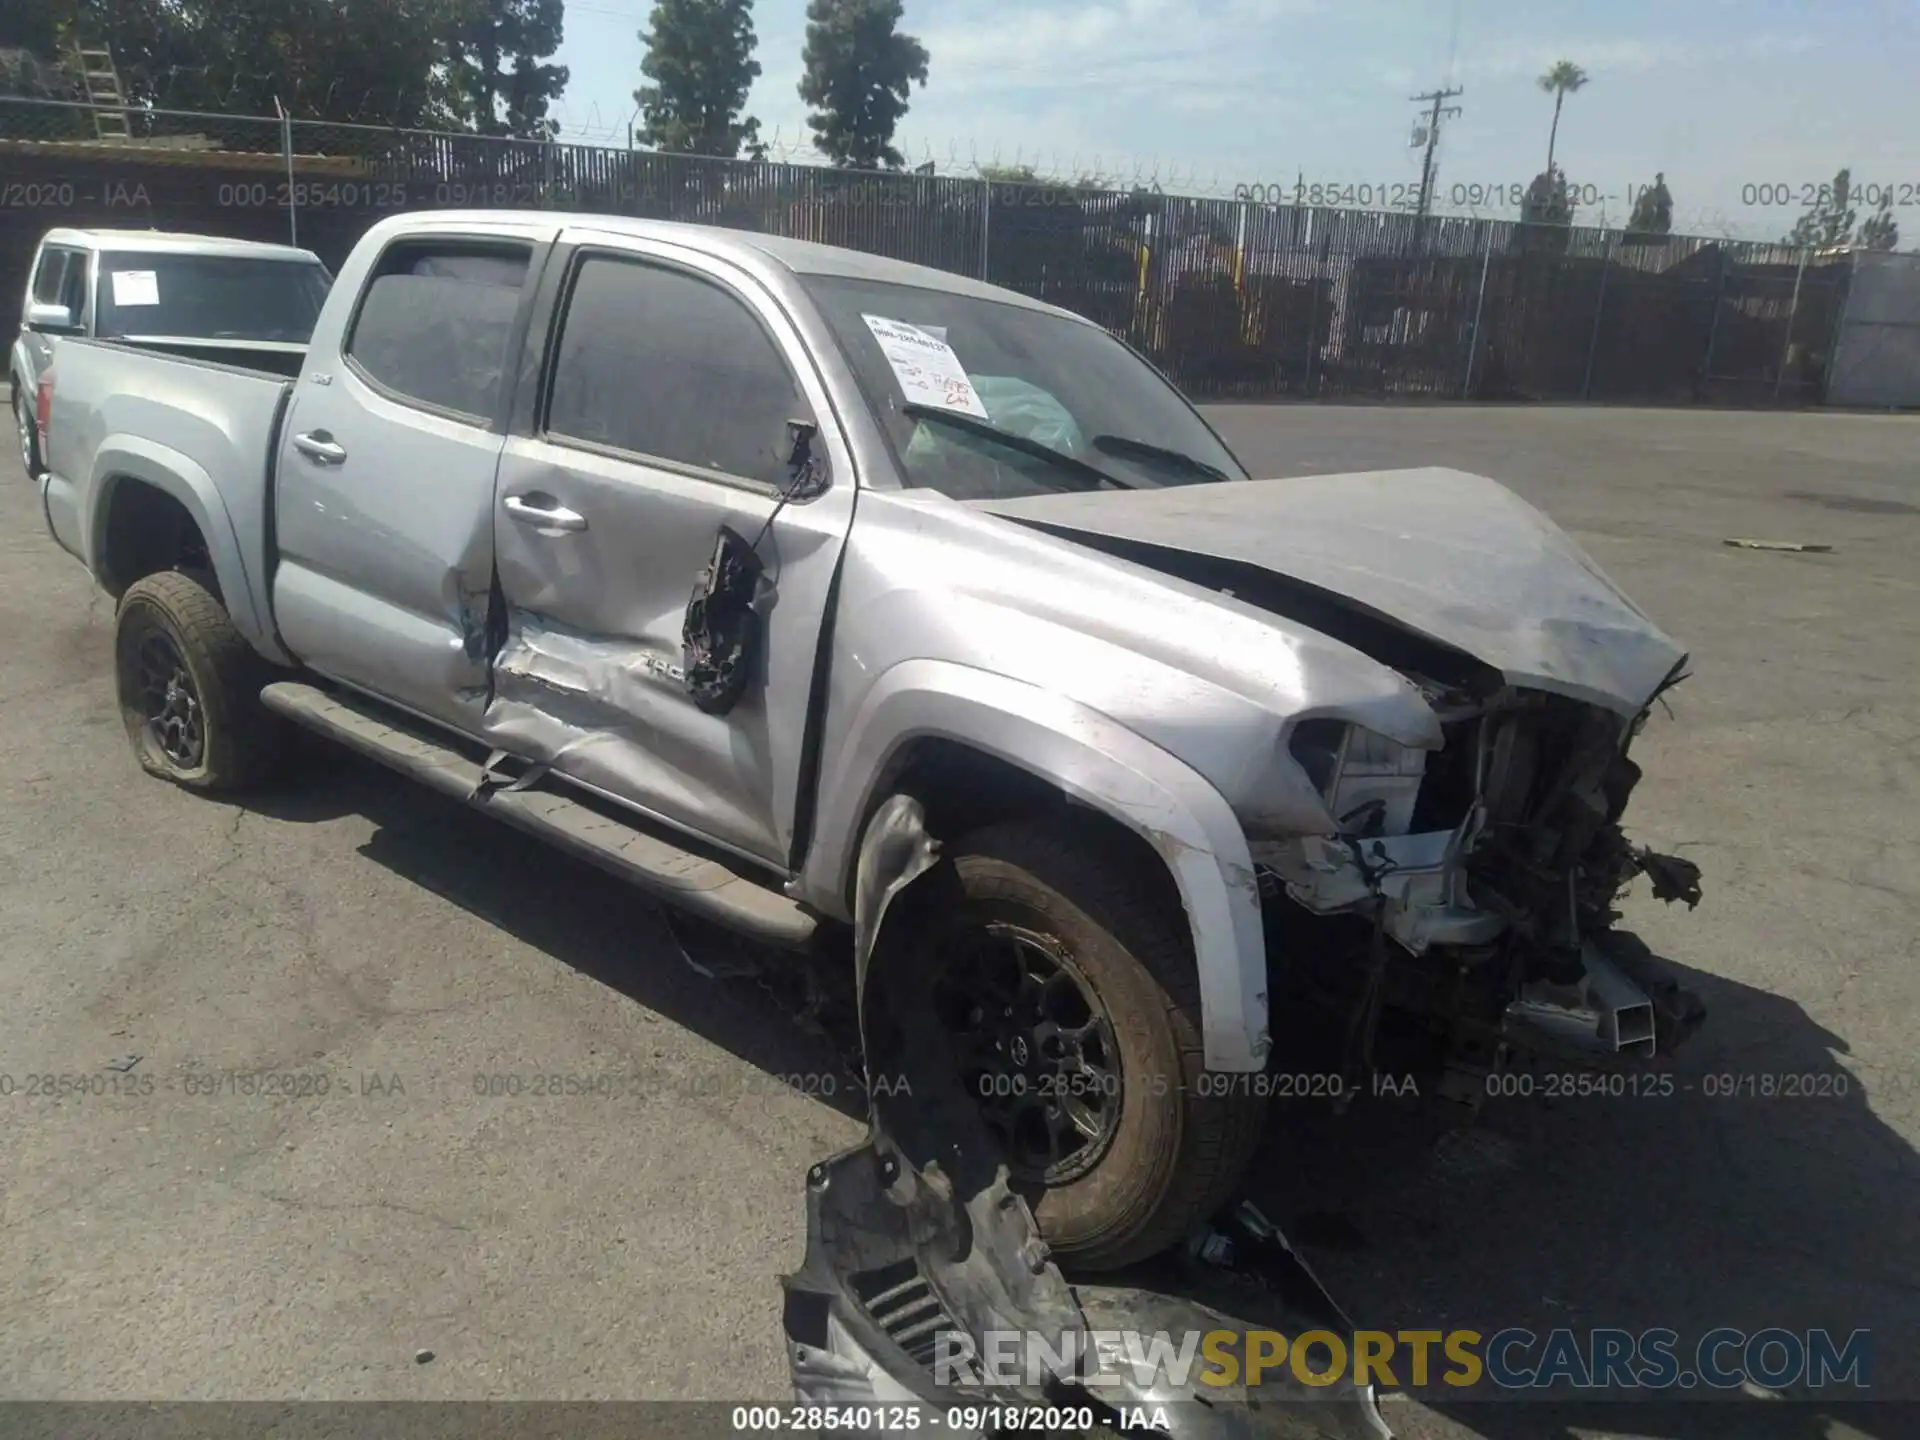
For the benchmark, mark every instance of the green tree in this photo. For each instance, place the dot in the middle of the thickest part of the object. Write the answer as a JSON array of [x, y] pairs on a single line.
[[1086, 183], [34, 26], [498, 66], [700, 60], [859, 73], [1828, 222], [378, 61], [1879, 231], [1562, 80], [1546, 213], [1652, 210], [32, 49]]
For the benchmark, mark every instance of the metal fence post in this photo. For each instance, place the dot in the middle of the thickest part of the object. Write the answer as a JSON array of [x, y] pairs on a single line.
[[1314, 277], [1479, 303], [293, 193], [1599, 309], [1713, 329], [1793, 309], [986, 225]]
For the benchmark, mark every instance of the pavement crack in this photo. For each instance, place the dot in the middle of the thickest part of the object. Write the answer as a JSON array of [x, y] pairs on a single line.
[[298, 1202]]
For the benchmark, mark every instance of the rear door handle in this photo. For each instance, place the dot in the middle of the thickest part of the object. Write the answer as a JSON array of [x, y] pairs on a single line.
[[319, 445], [547, 514]]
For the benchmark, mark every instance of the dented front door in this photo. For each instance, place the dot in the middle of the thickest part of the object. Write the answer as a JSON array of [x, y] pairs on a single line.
[[662, 416]]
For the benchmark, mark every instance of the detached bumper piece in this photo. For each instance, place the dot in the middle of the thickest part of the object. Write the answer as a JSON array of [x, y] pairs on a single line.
[[907, 1287]]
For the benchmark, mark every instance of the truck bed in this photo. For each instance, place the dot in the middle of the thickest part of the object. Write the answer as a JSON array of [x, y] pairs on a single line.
[[267, 357], [135, 412]]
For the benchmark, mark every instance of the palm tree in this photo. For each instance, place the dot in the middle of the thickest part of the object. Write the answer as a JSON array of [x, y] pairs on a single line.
[[1561, 81]]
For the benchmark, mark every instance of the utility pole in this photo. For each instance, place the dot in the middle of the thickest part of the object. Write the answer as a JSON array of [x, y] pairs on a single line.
[[1437, 99]]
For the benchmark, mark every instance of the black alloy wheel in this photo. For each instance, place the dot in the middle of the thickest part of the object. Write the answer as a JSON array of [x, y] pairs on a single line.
[[1035, 1046], [169, 701]]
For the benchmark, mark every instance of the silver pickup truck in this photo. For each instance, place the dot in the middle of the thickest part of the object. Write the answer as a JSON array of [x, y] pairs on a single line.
[[185, 294], [779, 578]]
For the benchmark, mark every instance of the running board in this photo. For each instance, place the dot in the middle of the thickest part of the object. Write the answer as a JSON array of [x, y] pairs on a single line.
[[703, 886]]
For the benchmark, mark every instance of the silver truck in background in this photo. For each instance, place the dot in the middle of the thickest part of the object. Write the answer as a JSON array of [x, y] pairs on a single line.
[[788, 581], [184, 294]]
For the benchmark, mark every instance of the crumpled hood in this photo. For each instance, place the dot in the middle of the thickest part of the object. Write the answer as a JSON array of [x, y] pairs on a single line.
[[1455, 557]]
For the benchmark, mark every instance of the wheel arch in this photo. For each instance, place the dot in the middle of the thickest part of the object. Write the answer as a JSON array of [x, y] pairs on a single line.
[[973, 747], [151, 509]]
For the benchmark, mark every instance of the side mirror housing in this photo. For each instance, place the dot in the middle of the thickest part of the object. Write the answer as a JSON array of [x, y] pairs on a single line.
[[51, 319]]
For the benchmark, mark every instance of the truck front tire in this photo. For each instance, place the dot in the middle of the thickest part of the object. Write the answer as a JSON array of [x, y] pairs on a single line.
[[189, 687], [1066, 982]]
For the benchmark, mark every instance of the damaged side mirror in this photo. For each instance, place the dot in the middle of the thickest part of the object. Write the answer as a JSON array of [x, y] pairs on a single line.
[[721, 635]]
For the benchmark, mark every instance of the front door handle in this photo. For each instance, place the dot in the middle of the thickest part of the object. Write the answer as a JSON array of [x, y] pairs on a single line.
[[547, 514], [319, 445]]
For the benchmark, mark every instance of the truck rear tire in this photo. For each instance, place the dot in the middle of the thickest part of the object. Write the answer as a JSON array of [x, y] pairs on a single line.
[[189, 688], [1067, 984]]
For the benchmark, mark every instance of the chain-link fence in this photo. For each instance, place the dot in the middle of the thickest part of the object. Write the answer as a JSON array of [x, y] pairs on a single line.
[[1230, 297]]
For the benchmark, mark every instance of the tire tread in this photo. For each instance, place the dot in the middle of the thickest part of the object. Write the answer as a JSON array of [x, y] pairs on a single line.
[[245, 740]]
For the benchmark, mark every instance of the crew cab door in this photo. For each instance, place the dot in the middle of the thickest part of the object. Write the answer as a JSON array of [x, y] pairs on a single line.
[[668, 383], [385, 477]]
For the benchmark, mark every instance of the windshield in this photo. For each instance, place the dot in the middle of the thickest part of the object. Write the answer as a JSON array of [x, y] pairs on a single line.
[[208, 297], [1051, 385]]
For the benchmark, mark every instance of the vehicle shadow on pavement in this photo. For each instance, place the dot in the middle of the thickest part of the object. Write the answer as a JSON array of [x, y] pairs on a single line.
[[746, 1002], [1686, 1206], [1690, 1205]]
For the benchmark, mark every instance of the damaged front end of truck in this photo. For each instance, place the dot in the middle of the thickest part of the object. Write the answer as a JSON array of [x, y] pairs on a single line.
[[1476, 888], [1471, 884]]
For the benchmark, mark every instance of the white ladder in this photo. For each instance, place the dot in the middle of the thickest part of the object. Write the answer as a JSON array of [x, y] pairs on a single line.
[[104, 93]]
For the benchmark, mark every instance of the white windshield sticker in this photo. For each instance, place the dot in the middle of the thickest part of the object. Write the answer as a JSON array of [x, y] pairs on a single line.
[[926, 367], [136, 287]]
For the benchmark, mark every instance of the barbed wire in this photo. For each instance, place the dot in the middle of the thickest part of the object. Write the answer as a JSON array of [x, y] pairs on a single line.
[[955, 159]]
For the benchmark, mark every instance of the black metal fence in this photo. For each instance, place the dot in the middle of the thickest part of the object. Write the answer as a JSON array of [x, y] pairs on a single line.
[[1232, 298]]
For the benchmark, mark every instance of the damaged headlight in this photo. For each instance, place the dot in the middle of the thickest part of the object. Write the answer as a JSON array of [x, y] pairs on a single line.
[[1370, 783]]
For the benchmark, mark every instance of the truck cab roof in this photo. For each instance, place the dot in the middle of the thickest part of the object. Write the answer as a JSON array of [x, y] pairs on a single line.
[[748, 248], [176, 242]]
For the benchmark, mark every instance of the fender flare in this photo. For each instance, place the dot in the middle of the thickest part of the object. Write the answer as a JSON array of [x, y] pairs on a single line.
[[129, 457], [1100, 764]]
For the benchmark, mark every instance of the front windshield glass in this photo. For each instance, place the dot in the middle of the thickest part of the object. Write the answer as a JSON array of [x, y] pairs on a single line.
[[1052, 384], [208, 297]]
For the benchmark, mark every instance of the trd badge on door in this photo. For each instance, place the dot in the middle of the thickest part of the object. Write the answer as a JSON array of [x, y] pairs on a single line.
[[665, 669]]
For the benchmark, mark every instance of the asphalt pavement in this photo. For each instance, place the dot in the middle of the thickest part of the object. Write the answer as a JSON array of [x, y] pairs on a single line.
[[368, 1017]]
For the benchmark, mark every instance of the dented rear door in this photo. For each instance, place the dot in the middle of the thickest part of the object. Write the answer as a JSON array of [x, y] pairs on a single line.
[[385, 477], [661, 415]]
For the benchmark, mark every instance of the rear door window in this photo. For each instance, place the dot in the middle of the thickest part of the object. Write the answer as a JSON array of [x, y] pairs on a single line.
[[46, 279], [663, 363], [435, 324]]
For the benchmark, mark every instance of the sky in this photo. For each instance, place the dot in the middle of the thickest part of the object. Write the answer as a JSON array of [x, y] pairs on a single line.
[[1738, 102]]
